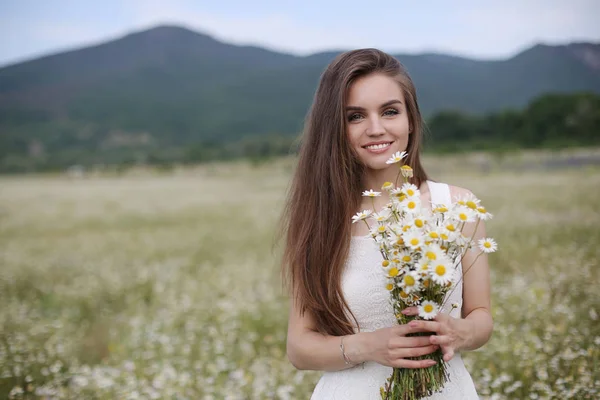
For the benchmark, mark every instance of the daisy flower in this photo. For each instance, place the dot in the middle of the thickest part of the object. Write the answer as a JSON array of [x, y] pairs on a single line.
[[406, 171], [441, 272], [382, 216], [410, 282], [488, 245], [463, 214], [411, 204], [418, 221], [469, 201], [406, 257], [413, 239], [433, 252], [371, 193], [482, 213], [387, 186], [428, 309], [361, 215], [390, 285], [410, 190], [422, 266], [396, 157]]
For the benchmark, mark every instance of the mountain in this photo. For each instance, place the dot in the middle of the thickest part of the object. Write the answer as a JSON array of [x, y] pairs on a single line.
[[170, 86]]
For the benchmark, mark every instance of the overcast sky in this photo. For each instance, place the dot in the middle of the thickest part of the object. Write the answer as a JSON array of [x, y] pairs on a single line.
[[472, 28]]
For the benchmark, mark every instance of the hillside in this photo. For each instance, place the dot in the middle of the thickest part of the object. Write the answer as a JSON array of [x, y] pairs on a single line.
[[169, 86]]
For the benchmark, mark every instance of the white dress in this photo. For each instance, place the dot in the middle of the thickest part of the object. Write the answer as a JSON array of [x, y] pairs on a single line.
[[363, 287]]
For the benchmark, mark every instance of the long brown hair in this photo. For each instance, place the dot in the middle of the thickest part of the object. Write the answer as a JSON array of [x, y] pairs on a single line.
[[326, 189]]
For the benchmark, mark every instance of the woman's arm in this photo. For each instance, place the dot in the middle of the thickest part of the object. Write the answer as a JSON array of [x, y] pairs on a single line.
[[308, 349]]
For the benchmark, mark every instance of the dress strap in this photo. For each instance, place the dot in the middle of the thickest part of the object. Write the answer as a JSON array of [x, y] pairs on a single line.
[[440, 193]]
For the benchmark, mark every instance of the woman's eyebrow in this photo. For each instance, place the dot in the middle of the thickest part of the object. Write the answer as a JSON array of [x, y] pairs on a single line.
[[386, 104]]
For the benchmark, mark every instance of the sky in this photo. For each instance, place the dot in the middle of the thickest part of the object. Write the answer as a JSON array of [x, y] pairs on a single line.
[[478, 29]]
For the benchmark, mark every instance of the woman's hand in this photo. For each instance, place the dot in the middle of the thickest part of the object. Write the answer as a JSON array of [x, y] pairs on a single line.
[[391, 347], [452, 334]]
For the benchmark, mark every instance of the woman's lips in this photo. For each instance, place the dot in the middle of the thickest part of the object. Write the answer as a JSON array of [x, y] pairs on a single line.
[[378, 149]]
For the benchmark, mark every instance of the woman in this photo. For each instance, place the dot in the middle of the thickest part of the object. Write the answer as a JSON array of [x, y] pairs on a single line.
[[365, 109]]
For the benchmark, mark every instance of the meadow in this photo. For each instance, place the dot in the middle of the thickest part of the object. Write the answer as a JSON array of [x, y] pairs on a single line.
[[165, 284]]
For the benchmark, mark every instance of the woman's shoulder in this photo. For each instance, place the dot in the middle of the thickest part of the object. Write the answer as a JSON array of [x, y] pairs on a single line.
[[459, 192]]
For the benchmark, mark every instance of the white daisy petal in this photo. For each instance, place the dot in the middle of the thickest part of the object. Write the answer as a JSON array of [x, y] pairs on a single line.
[[396, 157], [488, 245], [428, 309]]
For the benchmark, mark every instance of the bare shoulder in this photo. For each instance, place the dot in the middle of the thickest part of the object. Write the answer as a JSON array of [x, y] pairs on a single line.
[[459, 192]]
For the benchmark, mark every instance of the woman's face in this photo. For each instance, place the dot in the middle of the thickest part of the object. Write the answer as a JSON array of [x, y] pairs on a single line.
[[376, 119]]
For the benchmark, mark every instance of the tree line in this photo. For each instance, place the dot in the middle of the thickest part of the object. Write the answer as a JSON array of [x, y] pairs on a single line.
[[550, 121]]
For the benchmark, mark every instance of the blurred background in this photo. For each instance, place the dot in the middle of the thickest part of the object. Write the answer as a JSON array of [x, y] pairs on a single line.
[[145, 152]]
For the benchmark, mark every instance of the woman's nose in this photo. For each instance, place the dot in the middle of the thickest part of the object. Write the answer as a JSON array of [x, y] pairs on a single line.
[[375, 127]]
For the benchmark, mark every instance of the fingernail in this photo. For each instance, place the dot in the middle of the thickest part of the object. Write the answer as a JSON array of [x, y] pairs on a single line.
[[405, 311], [432, 362], [413, 324]]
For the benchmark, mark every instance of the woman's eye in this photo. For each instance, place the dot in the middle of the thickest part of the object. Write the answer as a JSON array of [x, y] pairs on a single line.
[[353, 117], [391, 111]]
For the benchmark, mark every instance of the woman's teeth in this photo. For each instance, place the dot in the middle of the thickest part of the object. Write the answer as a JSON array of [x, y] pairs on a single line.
[[378, 146]]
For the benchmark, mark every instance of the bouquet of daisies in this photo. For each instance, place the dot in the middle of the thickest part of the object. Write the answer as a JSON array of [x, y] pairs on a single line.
[[421, 253]]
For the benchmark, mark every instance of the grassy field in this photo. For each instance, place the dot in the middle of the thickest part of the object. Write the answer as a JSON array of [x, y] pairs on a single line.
[[166, 286]]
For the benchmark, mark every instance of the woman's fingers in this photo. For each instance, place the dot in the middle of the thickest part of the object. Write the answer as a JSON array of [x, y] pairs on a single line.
[[429, 326], [412, 341], [410, 311], [441, 340], [448, 354], [402, 363]]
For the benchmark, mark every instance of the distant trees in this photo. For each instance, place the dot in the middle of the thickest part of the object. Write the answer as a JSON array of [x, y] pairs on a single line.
[[550, 121], [34, 142]]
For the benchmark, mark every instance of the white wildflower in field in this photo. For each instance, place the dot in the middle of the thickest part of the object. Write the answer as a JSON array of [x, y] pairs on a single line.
[[120, 278]]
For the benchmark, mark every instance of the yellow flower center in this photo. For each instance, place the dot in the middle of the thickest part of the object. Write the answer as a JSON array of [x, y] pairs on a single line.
[[451, 227], [426, 283], [385, 263], [418, 223], [482, 210], [462, 216], [400, 242], [407, 258], [471, 205], [414, 241], [403, 294], [411, 204], [389, 286], [444, 236], [487, 245], [433, 235], [440, 270], [381, 228], [393, 272], [409, 280], [410, 192], [431, 255], [428, 308], [405, 228], [441, 209]]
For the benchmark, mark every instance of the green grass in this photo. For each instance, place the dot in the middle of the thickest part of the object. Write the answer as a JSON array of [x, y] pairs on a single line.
[[167, 285]]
